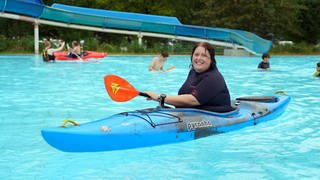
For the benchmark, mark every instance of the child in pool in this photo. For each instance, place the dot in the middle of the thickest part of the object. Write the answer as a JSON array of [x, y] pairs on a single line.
[[264, 64], [317, 73], [157, 63]]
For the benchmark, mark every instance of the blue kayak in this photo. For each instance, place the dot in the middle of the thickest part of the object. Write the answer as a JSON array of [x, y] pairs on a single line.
[[156, 126]]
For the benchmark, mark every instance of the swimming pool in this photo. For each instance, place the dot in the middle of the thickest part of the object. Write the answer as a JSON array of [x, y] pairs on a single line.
[[35, 95]]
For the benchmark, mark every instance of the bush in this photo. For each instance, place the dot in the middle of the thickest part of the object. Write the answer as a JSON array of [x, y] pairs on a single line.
[[3, 44], [316, 49], [299, 48], [105, 47], [25, 44], [91, 44], [17, 45], [134, 47]]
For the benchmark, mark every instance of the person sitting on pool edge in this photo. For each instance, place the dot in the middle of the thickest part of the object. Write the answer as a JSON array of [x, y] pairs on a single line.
[[48, 53], [317, 73], [157, 63], [264, 64], [204, 88]]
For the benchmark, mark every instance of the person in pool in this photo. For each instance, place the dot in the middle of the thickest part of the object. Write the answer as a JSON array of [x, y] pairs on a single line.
[[48, 52], [204, 88], [264, 64], [317, 73], [157, 63], [75, 51]]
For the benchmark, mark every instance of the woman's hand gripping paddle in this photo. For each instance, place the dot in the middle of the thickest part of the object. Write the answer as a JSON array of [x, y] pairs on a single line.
[[120, 90]]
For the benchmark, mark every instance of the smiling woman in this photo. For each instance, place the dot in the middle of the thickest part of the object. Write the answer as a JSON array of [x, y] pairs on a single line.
[[203, 58], [204, 88]]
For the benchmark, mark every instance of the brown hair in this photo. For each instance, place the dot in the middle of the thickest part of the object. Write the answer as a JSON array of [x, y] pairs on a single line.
[[165, 54], [75, 43], [265, 55], [211, 51]]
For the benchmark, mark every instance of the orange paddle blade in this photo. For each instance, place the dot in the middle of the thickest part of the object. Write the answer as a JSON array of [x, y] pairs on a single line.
[[119, 89]]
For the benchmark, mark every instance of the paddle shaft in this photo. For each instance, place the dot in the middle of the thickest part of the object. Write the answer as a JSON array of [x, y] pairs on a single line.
[[77, 56], [144, 94]]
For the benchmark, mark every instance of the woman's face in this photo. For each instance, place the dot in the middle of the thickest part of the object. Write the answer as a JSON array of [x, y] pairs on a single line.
[[201, 60]]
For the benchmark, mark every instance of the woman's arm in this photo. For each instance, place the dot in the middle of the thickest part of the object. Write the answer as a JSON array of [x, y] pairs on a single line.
[[59, 48], [184, 100], [51, 50]]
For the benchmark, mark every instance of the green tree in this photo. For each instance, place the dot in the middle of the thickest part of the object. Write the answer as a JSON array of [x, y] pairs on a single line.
[[309, 19], [265, 18]]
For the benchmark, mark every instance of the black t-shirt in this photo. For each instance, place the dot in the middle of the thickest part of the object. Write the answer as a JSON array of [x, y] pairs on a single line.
[[264, 65], [209, 88]]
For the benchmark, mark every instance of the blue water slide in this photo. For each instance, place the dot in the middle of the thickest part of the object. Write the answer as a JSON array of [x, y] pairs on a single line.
[[32, 8], [170, 25], [119, 15]]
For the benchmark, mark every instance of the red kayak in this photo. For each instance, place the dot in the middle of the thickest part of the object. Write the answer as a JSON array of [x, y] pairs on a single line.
[[63, 55]]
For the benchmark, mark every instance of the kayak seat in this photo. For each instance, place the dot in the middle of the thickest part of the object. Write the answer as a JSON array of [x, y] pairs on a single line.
[[232, 111], [218, 109]]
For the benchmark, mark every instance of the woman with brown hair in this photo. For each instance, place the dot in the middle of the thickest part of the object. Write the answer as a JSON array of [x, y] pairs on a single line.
[[204, 88]]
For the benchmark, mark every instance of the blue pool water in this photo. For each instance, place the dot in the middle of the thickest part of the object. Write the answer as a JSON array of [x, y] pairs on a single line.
[[36, 95]]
